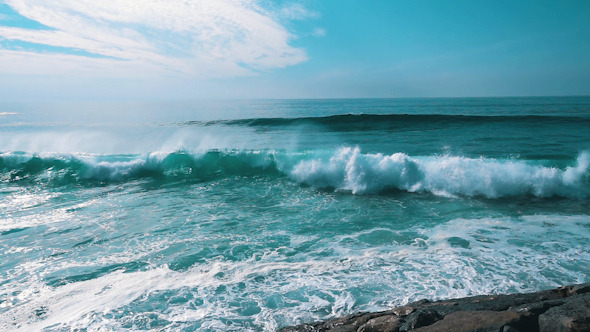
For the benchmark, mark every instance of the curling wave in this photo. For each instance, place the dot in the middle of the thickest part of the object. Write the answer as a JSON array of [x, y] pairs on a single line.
[[68, 169], [346, 169]]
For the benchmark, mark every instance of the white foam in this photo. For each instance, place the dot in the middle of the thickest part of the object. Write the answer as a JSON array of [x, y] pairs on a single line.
[[349, 169], [503, 254]]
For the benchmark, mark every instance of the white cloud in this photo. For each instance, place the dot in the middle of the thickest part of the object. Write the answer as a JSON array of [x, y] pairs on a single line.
[[200, 38]]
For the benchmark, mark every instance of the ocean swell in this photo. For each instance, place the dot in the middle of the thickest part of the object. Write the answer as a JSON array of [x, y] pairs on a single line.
[[356, 122], [346, 169]]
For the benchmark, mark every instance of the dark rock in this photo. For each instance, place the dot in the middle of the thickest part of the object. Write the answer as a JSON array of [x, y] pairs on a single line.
[[342, 324], [579, 289], [419, 318], [388, 323], [480, 321], [538, 308], [348, 323], [419, 303], [573, 315], [493, 302], [563, 309], [509, 328], [298, 328]]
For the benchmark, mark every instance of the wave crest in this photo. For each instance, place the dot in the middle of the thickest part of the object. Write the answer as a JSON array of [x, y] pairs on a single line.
[[345, 169], [349, 169]]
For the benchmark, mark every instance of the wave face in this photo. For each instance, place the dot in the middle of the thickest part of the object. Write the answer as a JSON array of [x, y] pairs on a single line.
[[346, 169], [67, 169]]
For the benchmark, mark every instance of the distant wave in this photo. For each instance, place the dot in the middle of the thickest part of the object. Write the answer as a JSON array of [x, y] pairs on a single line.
[[384, 121], [346, 169]]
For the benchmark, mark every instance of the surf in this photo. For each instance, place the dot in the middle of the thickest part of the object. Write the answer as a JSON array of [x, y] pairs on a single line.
[[346, 169]]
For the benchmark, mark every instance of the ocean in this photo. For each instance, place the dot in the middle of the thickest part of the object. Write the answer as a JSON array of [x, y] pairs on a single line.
[[258, 214]]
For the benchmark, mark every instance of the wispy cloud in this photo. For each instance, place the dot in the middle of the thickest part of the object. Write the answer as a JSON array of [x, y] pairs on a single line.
[[319, 32], [200, 38], [296, 11]]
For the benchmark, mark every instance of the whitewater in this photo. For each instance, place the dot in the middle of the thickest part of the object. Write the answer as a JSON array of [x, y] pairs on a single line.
[[347, 169], [254, 215]]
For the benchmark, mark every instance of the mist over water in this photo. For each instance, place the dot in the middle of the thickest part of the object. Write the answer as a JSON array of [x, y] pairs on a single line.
[[253, 215]]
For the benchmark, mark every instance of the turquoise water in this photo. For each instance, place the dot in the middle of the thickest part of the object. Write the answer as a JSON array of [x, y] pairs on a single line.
[[253, 215]]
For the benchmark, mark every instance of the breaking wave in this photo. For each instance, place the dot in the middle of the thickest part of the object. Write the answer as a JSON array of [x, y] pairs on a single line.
[[349, 169], [346, 169], [67, 169]]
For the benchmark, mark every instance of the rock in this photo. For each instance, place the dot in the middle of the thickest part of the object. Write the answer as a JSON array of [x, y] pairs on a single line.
[[538, 308], [481, 321], [494, 302], [419, 318], [572, 316], [579, 289], [509, 328], [348, 323], [388, 323], [403, 310], [562, 309], [342, 324]]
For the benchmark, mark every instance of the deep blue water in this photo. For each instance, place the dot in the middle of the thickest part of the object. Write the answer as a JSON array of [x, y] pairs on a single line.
[[252, 215]]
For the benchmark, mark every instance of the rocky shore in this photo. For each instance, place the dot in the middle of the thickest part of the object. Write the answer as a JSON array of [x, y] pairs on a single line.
[[563, 309]]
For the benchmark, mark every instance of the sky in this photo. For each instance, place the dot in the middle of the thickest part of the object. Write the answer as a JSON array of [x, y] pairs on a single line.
[[218, 49]]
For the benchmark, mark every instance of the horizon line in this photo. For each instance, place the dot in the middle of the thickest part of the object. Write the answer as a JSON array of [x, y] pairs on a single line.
[[66, 100]]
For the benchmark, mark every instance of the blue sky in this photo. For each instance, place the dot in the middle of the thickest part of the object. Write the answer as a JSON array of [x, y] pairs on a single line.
[[175, 49]]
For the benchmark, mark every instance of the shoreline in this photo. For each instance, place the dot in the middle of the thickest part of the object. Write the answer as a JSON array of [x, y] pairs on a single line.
[[566, 308]]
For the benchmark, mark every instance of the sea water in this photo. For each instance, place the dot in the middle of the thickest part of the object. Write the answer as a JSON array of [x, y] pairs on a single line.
[[257, 214]]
